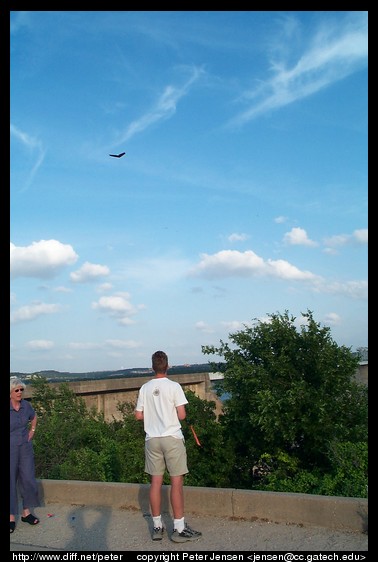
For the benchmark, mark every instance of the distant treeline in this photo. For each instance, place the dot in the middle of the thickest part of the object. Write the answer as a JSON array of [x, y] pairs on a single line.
[[58, 376]]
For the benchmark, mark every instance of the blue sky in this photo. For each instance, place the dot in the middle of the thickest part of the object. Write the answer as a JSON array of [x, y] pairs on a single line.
[[242, 193]]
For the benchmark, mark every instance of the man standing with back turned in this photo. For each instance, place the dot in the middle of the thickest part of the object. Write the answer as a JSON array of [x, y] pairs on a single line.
[[161, 406]]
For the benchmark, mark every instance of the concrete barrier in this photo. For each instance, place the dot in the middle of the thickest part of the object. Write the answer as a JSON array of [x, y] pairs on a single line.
[[347, 514]]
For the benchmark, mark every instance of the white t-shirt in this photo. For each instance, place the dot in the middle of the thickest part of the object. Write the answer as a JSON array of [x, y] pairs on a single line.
[[158, 399]]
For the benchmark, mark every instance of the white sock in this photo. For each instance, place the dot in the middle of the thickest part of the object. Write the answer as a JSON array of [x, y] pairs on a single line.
[[179, 524], [157, 521]]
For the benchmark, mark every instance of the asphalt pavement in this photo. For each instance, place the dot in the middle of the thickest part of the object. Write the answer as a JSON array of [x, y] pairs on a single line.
[[92, 529]]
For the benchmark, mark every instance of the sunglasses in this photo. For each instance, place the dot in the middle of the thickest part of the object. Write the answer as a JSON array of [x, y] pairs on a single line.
[[19, 390]]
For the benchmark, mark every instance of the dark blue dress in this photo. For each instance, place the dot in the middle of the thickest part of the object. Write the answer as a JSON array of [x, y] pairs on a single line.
[[22, 469]]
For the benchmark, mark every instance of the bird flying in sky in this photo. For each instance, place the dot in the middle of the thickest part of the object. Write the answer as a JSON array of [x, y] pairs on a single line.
[[117, 155]]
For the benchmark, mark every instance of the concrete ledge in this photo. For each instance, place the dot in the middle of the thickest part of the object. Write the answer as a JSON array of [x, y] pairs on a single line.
[[347, 514]]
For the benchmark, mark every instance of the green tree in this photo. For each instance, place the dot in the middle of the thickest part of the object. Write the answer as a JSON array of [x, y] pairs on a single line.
[[69, 435], [130, 438], [293, 400], [208, 463]]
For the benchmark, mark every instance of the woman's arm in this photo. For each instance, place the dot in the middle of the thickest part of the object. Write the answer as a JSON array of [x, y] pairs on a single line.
[[33, 425]]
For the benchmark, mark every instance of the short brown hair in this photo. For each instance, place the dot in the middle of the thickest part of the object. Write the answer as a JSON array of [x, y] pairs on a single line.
[[160, 362]]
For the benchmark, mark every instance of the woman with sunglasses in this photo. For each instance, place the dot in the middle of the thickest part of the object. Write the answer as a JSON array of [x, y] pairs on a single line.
[[23, 421]]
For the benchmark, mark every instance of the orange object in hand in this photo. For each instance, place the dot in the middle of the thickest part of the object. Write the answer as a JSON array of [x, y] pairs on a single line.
[[195, 436]]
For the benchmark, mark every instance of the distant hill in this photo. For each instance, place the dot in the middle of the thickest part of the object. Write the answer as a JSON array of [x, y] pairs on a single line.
[[59, 376], [63, 376]]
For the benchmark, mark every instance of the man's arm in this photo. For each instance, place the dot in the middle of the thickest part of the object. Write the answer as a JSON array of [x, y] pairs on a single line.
[[138, 415], [181, 412]]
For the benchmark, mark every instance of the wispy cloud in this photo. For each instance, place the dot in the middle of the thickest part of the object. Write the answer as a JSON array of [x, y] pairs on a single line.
[[122, 344], [351, 289], [30, 312], [203, 327], [164, 108], [236, 237], [111, 344], [40, 345], [334, 53], [281, 219], [19, 20], [35, 147], [358, 237]]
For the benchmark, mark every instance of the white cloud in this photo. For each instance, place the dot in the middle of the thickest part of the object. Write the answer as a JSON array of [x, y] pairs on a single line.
[[30, 312], [117, 306], [280, 219], [336, 241], [40, 345], [113, 344], [123, 344], [84, 345], [43, 259], [359, 236], [284, 270], [126, 321], [231, 263], [203, 327], [62, 289], [235, 237], [352, 289], [298, 237], [104, 287], [89, 272], [233, 326], [332, 318]]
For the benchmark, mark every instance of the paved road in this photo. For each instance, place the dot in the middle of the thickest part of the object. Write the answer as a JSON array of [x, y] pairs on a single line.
[[99, 529]]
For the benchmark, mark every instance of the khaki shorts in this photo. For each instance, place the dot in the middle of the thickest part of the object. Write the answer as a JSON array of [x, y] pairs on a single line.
[[165, 453]]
